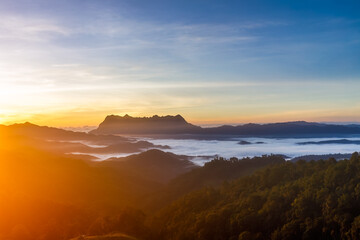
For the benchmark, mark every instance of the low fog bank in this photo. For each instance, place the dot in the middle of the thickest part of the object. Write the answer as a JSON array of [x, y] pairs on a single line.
[[202, 151]]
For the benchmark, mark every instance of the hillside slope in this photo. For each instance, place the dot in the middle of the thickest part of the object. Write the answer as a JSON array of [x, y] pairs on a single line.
[[294, 201], [47, 195], [153, 164]]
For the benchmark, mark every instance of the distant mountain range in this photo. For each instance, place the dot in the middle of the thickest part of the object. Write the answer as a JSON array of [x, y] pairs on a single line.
[[178, 126], [340, 141]]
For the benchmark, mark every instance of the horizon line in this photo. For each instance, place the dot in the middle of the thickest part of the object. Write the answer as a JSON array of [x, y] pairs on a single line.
[[203, 124]]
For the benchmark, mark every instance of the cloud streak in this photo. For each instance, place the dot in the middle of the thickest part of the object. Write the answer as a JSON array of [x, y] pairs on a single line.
[[30, 28]]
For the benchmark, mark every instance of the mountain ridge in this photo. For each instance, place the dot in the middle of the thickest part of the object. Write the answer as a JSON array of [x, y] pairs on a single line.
[[69, 142], [177, 126], [114, 124]]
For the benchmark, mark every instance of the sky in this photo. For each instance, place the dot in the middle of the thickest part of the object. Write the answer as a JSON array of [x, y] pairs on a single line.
[[71, 63]]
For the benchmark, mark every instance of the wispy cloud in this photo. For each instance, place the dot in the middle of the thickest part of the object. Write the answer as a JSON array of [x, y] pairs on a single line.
[[124, 33], [30, 28], [50, 51]]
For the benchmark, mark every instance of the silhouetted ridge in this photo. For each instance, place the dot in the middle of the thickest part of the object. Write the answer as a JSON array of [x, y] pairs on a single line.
[[51, 133], [114, 124], [127, 118], [65, 141], [177, 125], [154, 165]]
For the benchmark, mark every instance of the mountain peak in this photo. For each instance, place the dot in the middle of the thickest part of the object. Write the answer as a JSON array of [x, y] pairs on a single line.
[[145, 125], [25, 124], [154, 117]]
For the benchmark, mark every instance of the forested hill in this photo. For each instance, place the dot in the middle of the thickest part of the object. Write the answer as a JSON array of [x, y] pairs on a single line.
[[252, 198], [303, 200], [212, 174], [153, 165]]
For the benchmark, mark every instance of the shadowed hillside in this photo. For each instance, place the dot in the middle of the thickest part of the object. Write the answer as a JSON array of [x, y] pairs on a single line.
[[47, 195], [115, 236], [212, 174], [153, 164], [71, 197]]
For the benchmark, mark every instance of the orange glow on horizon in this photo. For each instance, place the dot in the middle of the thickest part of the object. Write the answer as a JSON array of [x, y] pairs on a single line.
[[81, 119]]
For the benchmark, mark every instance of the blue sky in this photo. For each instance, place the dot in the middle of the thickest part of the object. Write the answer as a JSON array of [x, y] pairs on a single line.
[[73, 62]]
